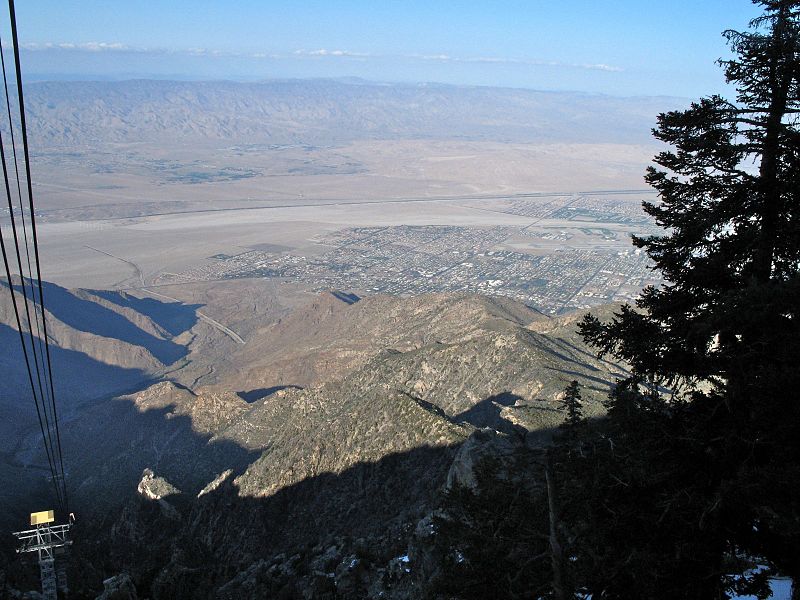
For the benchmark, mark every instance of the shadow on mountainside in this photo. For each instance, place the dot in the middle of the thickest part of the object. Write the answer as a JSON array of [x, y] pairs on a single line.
[[251, 396], [333, 534], [346, 297], [488, 413], [582, 351], [219, 534], [116, 440], [78, 379], [91, 317], [601, 385], [369, 511], [106, 450], [77, 376], [556, 349], [368, 514], [173, 317]]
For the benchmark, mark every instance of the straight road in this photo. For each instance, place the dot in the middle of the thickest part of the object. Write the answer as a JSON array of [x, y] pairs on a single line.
[[142, 287]]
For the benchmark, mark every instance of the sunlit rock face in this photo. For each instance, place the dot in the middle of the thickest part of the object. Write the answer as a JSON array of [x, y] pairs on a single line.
[[329, 484]]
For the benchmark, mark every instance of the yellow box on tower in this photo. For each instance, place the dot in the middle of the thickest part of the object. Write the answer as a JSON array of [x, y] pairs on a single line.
[[43, 518]]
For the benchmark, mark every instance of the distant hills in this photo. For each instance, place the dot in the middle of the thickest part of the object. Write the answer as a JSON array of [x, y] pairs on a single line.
[[74, 113]]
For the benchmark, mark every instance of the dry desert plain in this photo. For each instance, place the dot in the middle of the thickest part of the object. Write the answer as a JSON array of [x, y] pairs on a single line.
[[137, 215]]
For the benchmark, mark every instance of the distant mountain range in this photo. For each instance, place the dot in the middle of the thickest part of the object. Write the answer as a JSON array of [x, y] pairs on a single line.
[[75, 114]]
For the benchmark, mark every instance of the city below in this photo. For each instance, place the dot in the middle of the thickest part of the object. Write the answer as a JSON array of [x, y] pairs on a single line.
[[577, 254]]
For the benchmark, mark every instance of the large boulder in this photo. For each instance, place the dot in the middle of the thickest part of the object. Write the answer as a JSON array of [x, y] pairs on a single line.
[[482, 444], [119, 587]]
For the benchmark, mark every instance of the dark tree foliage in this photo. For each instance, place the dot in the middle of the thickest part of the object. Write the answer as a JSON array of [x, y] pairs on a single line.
[[492, 540], [715, 351], [694, 476], [633, 501], [571, 402]]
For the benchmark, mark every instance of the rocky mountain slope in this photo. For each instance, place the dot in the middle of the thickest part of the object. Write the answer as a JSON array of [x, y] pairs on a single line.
[[102, 343], [327, 337], [364, 413], [347, 383]]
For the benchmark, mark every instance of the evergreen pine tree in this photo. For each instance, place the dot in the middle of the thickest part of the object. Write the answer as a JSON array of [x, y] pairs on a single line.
[[571, 402], [723, 332]]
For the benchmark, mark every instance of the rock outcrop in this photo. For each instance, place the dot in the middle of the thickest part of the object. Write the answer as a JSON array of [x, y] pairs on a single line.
[[119, 587]]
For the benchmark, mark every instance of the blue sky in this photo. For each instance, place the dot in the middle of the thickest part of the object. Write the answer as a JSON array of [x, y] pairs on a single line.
[[624, 47]]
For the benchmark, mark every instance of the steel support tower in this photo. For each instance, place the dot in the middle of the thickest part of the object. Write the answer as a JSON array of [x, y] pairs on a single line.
[[47, 540]]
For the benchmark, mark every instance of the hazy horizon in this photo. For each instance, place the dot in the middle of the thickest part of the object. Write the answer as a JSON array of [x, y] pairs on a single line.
[[37, 78], [624, 49]]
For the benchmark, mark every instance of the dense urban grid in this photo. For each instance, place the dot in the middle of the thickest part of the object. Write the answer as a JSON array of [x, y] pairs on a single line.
[[579, 257]]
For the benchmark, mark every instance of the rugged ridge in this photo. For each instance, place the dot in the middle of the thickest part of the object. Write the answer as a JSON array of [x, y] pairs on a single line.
[[327, 337], [292, 487]]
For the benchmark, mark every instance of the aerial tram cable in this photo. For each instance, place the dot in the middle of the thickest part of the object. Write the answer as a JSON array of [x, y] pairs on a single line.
[[19, 188], [42, 416], [26, 153], [25, 349], [37, 325], [43, 420], [46, 539], [43, 392], [40, 411]]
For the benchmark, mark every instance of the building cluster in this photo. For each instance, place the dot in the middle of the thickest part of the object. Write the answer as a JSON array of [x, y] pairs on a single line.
[[410, 260], [602, 208]]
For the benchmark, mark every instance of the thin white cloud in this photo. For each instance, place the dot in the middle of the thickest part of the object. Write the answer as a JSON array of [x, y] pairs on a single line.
[[441, 57], [499, 60], [205, 52], [314, 54], [124, 48], [335, 53], [81, 46], [602, 67]]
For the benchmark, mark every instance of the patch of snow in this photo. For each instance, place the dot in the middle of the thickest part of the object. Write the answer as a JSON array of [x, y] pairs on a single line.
[[781, 590], [781, 587]]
